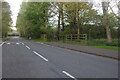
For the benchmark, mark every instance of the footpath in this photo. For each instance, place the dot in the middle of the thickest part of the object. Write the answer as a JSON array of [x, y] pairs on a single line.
[[87, 49]]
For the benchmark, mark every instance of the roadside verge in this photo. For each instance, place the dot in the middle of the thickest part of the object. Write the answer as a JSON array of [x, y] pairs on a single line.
[[86, 49]]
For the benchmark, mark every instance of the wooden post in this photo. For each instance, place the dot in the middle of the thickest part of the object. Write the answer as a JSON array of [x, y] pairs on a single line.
[[85, 36], [71, 36], [66, 36]]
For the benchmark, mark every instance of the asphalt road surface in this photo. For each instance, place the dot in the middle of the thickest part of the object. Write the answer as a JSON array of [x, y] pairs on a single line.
[[26, 59]]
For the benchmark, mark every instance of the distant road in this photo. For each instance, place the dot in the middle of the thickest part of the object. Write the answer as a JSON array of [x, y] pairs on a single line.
[[26, 59]]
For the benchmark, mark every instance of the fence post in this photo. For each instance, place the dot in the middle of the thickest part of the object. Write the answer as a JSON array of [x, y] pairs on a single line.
[[66, 36], [78, 36], [85, 36], [71, 36]]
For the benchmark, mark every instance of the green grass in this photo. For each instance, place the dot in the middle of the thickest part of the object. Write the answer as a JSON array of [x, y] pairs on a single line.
[[6, 38], [108, 47], [83, 43], [38, 40], [92, 44], [74, 42], [103, 46]]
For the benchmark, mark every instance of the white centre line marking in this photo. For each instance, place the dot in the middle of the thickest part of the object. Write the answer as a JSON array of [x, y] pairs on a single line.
[[17, 43], [42, 43], [53, 46], [69, 75], [27, 47], [47, 45], [8, 43], [40, 56], [23, 44], [2, 43]]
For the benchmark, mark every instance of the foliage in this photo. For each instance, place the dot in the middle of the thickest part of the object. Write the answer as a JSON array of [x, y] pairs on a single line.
[[6, 19], [32, 19], [56, 19]]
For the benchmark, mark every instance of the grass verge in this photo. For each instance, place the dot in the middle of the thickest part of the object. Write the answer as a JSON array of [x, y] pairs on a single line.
[[108, 47], [92, 44], [82, 43], [38, 40]]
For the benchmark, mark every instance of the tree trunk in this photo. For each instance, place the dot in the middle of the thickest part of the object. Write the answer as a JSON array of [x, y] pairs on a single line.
[[119, 11], [0, 20], [62, 15], [107, 27], [77, 20], [119, 20], [58, 26], [119, 8], [108, 33]]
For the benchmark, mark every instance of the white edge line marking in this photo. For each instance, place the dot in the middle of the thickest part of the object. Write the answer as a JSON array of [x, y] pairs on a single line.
[[8, 43], [47, 45], [40, 56], [27, 47], [2, 43], [23, 44], [69, 75], [17, 43]]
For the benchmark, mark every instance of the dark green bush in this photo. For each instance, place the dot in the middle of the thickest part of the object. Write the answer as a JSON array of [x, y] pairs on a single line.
[[113, 44]]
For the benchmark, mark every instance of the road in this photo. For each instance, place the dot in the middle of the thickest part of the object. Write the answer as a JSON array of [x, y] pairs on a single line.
[[26, 59]]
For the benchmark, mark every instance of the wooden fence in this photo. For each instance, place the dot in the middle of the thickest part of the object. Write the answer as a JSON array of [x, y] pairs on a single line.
[[76, 37], [69, 37]]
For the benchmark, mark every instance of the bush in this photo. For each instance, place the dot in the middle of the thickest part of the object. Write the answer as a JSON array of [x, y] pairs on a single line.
[[113, 44]]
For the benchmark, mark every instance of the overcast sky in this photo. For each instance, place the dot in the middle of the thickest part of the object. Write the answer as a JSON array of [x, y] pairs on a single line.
[[15, 6]]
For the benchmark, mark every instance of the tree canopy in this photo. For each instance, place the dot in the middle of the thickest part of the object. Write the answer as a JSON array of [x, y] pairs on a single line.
[[56, 19], [6, 19]]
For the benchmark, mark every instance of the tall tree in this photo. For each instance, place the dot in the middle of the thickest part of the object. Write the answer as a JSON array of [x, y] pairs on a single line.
[[6, 18], [33, 19], [119, 18], [78, 14], [105, 19], [0, 19]]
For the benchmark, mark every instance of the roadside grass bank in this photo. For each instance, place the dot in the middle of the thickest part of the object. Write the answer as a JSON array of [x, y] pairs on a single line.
[[98, 43], [6, 38], [40, 40]]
